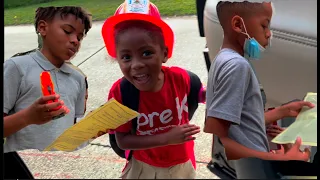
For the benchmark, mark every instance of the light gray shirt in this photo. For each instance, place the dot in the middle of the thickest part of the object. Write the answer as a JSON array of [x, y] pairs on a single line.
[[21, 88], [233, 94]]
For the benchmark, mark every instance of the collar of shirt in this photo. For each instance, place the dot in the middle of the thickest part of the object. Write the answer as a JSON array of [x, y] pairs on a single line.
[[47, 65]]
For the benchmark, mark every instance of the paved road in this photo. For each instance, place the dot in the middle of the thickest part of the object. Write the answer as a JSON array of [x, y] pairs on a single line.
[[100, 162]]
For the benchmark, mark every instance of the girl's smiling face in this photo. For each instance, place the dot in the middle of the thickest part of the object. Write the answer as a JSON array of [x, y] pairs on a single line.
[[140, 56]]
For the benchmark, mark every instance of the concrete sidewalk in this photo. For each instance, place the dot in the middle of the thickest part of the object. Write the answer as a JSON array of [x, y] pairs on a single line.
[[98, 161]]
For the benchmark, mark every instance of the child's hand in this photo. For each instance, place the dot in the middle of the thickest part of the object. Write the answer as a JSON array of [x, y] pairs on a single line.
[[202, 95], [286, 147], [40, 112], [274, 130], [294, 152], [293, 109], [182, 133]]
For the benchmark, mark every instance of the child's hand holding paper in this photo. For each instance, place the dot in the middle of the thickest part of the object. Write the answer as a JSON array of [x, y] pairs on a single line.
[[109, 116]]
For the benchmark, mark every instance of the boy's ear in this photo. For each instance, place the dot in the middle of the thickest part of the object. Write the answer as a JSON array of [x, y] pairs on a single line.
[[42, 28], [237, 24], [165, 51]]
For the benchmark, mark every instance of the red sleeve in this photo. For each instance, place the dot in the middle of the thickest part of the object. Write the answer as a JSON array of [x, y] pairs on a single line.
[[182, 76], [116, 94]]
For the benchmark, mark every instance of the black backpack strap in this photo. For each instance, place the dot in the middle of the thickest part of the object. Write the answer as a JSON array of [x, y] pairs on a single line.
[[24, 53], [14, 167], [193, 96], [130, 98]]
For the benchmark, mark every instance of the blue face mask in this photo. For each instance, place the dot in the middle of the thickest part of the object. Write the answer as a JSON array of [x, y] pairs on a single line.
[[252, 49]]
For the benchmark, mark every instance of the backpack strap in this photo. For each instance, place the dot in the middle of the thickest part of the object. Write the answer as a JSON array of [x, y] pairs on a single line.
[[24, 53], [130, 98], [193, 96]]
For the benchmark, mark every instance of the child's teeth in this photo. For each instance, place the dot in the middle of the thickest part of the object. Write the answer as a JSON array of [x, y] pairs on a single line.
[[139, 76]]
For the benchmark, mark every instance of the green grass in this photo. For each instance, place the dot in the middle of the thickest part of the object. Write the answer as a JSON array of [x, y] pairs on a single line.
[[18, 3], [100, 9]]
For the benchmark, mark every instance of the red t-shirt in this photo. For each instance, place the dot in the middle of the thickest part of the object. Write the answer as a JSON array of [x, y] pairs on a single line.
[[158, 112]]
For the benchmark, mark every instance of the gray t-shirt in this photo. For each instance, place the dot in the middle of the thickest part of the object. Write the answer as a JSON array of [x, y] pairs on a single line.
[[21, 87], [233, 94]]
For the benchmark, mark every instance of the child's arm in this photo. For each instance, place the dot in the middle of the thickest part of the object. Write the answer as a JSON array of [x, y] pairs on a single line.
[[14, 123], [225, 107], [177, 135], [202, 94], [37, 113], [289, 110], [234, 150], [126, 140]]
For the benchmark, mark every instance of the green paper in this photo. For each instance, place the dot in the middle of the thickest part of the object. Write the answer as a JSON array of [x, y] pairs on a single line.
[[299, 177], [305, 126]]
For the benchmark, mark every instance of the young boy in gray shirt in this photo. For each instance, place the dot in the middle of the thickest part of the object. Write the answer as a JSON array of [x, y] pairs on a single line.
[[62, 30], [235, 111], [40, 42], [28, 120]]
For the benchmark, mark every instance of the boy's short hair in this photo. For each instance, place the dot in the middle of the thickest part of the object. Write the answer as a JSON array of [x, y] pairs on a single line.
[[226, 10], [48, 13]]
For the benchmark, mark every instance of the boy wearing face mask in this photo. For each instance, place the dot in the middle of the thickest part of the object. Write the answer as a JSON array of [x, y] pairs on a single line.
[[235, 111]]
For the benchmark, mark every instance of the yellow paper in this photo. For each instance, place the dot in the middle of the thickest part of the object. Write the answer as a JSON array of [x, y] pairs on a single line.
[[109, 116], [305, 126]]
